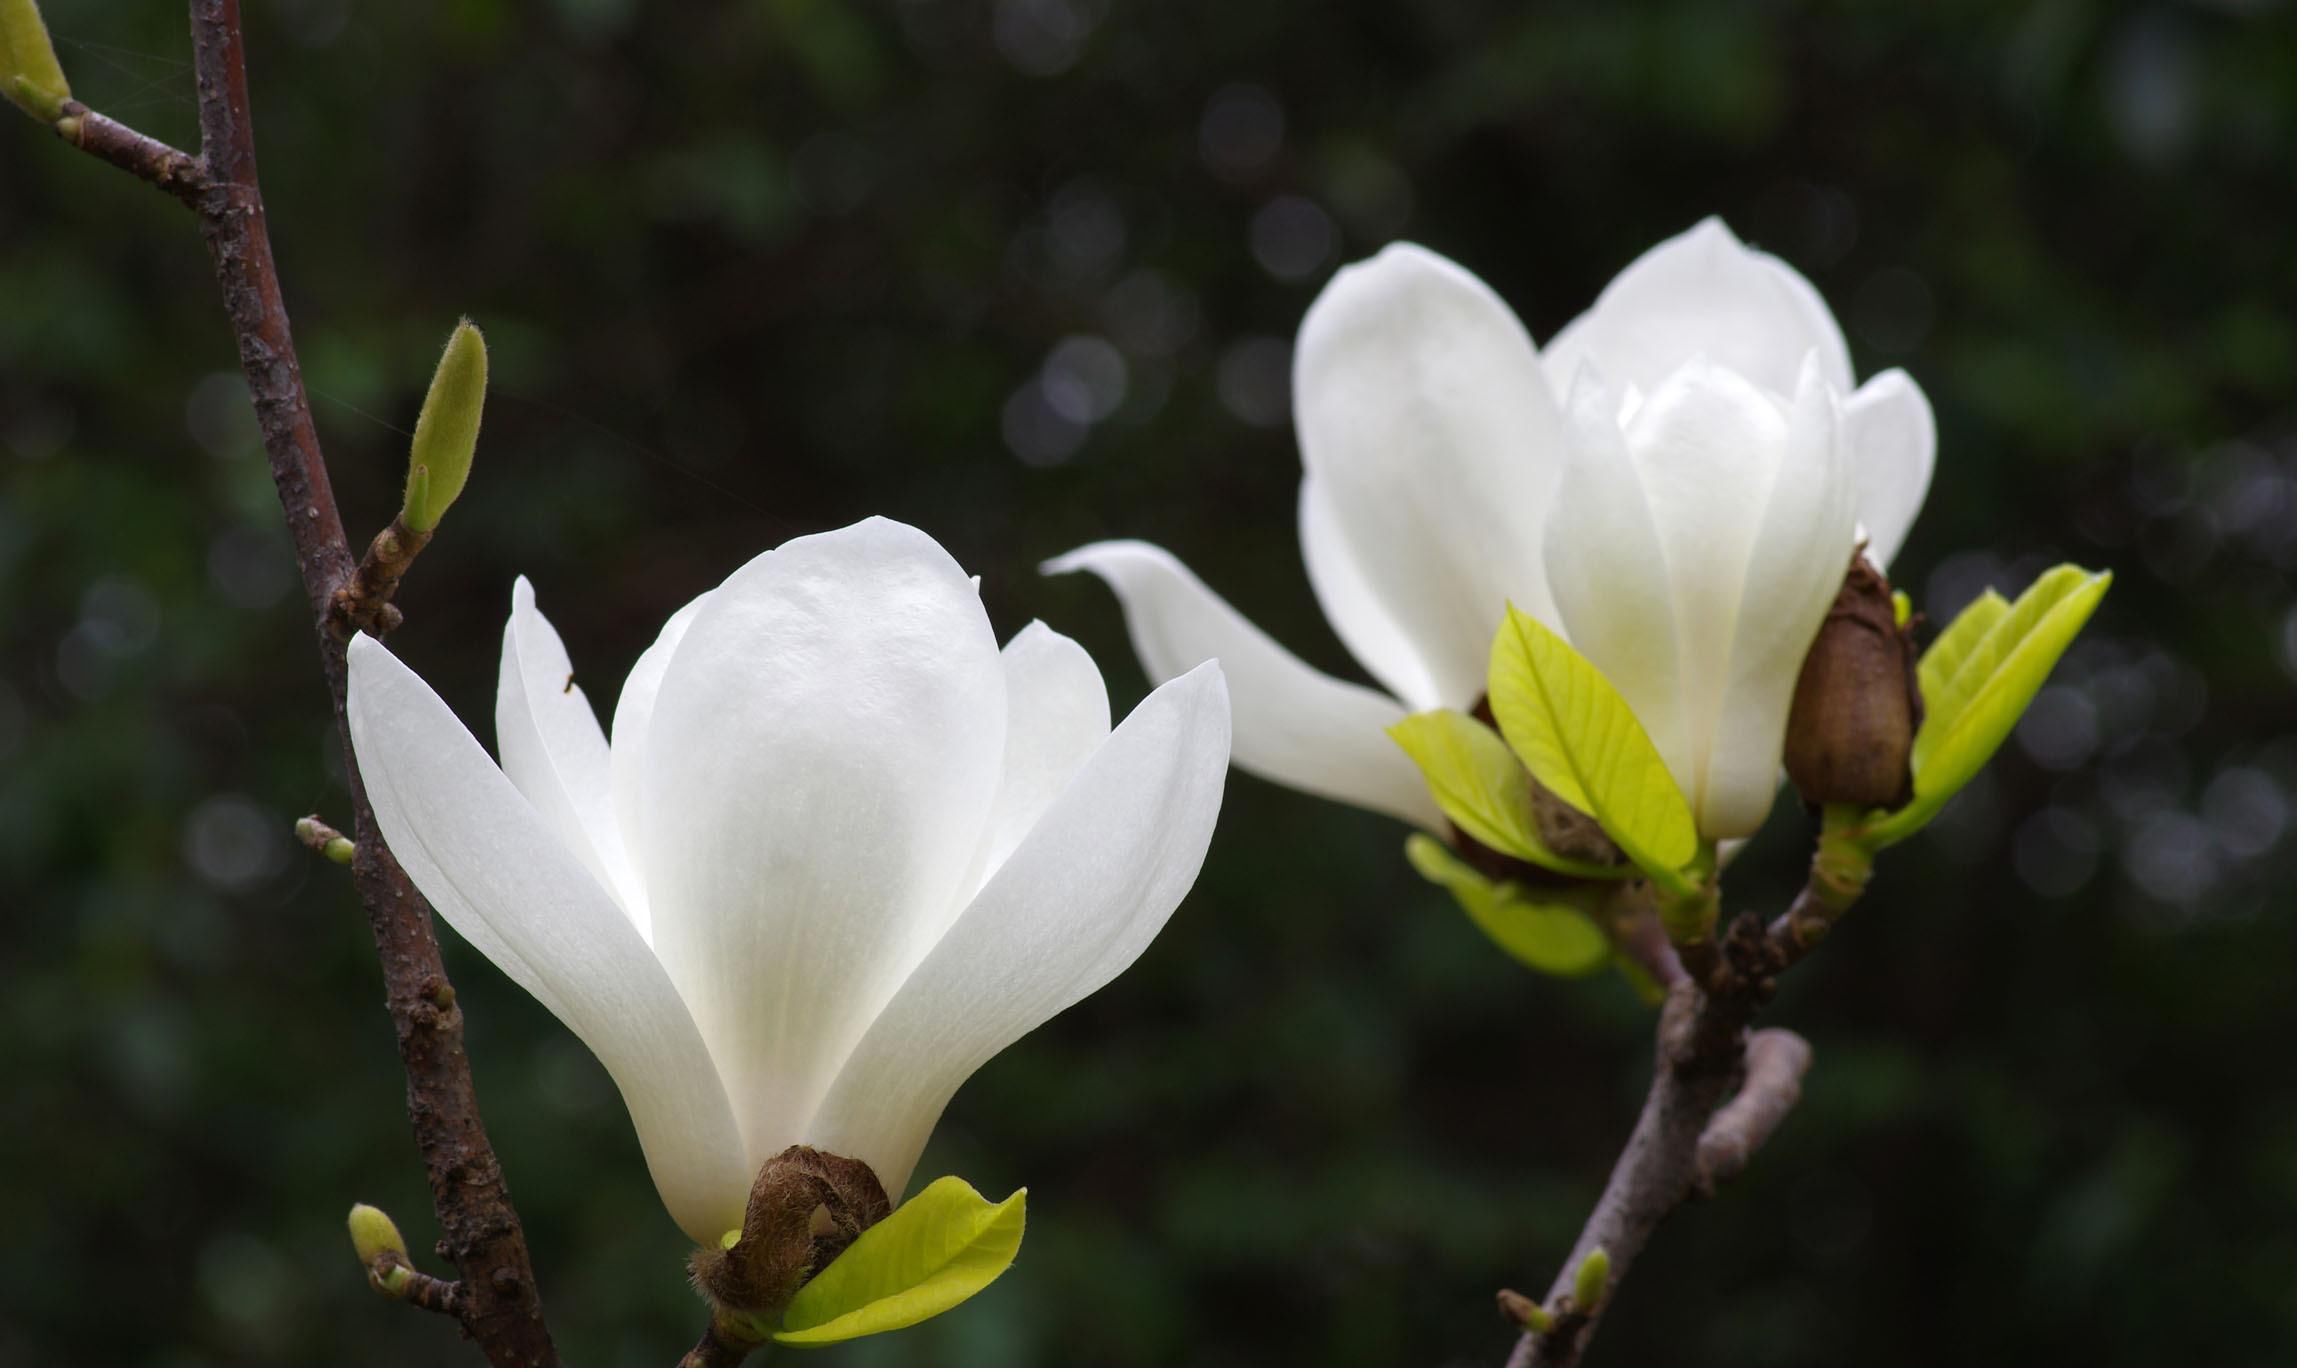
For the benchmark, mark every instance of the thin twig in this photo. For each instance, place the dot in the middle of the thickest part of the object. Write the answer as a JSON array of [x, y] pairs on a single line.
[[1776, 1061], [394, 1277], [178, 173], [364, 604], [496, 1299]]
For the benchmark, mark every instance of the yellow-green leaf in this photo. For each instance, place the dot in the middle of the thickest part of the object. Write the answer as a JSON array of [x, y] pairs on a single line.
[[447, 432], [1940, 674], [939, 1248], [29, 72], [1484, 789], [1989, 688], [1552, 936], [1577, 736]]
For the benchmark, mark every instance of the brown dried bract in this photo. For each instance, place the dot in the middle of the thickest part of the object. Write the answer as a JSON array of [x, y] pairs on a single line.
[[806, 1207], [1857, 703]]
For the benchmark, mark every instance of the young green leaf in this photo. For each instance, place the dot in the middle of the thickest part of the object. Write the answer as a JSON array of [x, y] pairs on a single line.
[[447, 431], [1483, 788], [1553, 937], [1577, 736], [937, 1249], [1941, 665], [30, 75], [1989, 688]]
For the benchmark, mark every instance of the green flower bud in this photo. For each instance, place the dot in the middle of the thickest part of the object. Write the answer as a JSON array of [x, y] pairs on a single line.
[[374, 1234], [1594, 1280], [30, 75], [447, 433]]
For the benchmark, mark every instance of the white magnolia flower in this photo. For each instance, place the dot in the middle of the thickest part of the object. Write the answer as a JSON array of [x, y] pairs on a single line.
[[1675, 484], [840, 851]]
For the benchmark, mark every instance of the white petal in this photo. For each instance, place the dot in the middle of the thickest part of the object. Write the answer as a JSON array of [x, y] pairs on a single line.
[[1294, 725], [819, 771], [1081, 898], [1707, 445], [1379, 643], [633, 716], [1608, 567], [1056, 716], [554, 752], [1890, 442], [500, 875], [1702, 293], [1425, 423], [1801, 551]]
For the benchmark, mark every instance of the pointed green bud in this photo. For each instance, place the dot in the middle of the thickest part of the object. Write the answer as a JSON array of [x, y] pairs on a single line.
[[1594, 1280], [374, 1234], [30, 75], [447, 433]]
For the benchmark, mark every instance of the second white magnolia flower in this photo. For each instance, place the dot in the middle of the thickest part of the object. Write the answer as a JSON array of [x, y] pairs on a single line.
[[1675, 484], [840, 851]]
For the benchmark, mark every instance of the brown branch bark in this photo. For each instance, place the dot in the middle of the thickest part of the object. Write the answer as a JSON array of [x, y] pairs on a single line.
[[495, 1298], [1715, 1097]]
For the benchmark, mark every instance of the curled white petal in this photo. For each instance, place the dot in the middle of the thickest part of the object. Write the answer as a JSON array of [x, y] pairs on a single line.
[[1294, 725]]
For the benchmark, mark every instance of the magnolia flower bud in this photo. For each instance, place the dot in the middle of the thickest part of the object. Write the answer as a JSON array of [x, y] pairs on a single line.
[[805, 1209], [1857, 705], [447, 431], [374, 1234]]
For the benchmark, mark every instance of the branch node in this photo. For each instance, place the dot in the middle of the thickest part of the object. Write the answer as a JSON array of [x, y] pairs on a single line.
[[364, 603]]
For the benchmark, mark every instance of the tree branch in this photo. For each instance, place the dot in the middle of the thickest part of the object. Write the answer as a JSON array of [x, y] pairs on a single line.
[[1716, 1095], [495, 1298]]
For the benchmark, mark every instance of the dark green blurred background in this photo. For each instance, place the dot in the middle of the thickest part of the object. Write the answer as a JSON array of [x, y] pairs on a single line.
[[1024, 272]]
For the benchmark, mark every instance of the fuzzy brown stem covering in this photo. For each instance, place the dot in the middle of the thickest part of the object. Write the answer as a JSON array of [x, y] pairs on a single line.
[[495, 1297]]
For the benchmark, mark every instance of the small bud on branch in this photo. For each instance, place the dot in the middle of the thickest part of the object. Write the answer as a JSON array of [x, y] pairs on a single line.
[[447, 432], [1850, 735]]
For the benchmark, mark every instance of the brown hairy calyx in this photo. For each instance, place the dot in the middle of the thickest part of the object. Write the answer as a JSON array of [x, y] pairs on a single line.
[[1857, 704], [806, 1207]]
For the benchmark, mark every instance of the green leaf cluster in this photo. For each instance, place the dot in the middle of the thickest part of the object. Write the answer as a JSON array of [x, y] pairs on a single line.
[[1553, 934], [937, 1249], [1478, 782], [1571, 729], [1977, 680]]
